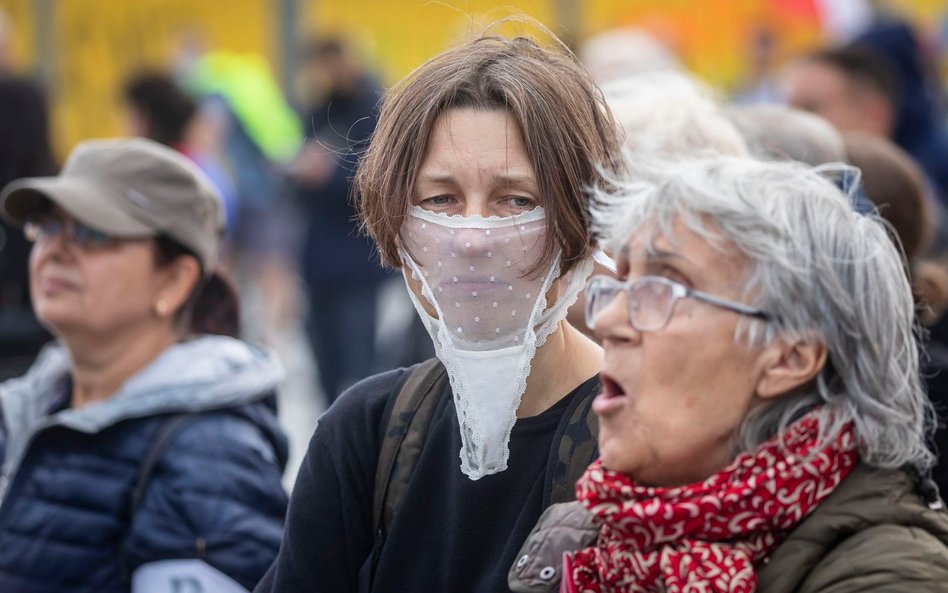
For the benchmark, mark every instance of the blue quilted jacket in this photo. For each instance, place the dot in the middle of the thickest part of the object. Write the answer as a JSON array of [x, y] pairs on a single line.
[[215, 493]]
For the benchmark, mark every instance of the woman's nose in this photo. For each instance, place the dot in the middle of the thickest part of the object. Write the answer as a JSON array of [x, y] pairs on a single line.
[[476, 206], [613, 323], [472, 242], [55, 247], [56, 241]]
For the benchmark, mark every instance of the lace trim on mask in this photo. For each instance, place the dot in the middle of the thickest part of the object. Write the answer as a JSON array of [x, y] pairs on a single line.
[[476, 222], [550, 319]]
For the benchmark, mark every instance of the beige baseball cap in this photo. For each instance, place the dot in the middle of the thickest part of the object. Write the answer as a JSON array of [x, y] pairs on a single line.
[[128, 188]]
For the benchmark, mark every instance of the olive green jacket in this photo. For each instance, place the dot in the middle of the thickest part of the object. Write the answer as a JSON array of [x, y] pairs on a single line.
[[873, 533]]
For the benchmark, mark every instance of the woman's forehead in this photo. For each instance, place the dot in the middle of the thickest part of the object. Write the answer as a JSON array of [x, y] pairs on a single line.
[[469, 137], [707, 250]]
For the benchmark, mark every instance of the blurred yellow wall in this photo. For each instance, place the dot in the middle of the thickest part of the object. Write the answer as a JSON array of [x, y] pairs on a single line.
[[20, 15], [710, 36], [98, 42], [398, 35]]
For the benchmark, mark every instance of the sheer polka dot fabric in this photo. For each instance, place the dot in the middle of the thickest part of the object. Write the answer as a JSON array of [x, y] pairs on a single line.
[[477, 277], [490, 316]]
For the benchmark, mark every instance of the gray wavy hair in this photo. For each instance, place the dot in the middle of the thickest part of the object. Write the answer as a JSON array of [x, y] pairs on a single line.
[[822, 271]]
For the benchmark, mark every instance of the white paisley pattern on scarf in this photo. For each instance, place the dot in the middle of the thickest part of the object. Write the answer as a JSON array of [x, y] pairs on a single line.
[[707, 537]]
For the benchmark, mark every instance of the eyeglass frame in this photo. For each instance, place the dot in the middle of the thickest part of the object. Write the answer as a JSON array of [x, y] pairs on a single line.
[[679, 291], [35, 229]]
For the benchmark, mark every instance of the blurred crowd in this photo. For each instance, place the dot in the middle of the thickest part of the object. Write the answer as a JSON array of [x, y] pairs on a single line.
[[285, 264]]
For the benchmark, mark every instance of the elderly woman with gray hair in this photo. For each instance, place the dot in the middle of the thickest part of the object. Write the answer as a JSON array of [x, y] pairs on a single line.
[[762, 423]]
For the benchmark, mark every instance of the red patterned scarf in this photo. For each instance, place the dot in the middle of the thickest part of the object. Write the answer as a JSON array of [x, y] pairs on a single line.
[[707, 537]]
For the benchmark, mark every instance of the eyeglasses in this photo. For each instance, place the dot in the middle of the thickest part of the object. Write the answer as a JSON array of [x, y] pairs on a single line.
[[652, 300], [45, 228]]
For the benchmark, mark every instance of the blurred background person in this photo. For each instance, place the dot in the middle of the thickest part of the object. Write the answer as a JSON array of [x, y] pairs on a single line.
[[851, 87], [896, 185], [159, 109], [24, 151], [763, 425], [760, 84], [618, 53], [669, 113], [780, 132], [783, 133], [919, 126], [339, 265], [257, 134], [858, 89], [142, 449]]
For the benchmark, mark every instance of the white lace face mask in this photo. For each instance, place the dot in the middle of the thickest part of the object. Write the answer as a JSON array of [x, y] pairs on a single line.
[[491, 316]]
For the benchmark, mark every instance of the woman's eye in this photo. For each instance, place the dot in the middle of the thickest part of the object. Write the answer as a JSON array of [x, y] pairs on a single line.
[[674, 275], [521, 203], [437, 201]]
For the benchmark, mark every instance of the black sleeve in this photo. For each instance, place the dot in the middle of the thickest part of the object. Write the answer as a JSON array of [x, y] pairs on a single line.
[[328, 533]]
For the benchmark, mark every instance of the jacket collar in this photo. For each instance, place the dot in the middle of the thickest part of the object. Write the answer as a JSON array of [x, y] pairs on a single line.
[[205, 373]]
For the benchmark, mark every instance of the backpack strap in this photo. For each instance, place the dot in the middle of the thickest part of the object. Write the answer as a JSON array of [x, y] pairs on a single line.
[[407, 427], [404, 437], [575, 446], [166, 431], [402, 441]]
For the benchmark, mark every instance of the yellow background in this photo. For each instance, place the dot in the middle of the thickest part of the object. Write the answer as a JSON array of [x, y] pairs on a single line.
[[98, 42]]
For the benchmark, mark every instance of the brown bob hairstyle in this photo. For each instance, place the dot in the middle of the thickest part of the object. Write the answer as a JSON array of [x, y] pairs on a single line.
[[569, 133]]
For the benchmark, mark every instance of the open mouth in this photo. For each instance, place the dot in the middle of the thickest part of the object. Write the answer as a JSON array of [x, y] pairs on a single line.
[[611, 400], [610, 388]]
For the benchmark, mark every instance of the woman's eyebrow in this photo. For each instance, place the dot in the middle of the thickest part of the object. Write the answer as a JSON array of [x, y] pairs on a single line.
[[659, 255], [653, 255], [514, 180], [439, 178]]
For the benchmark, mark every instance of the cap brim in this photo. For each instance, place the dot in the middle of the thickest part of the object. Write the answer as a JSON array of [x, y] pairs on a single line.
[[85, 200]]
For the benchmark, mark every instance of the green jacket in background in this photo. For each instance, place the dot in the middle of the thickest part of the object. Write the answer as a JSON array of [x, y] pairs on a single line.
[[874, 533]]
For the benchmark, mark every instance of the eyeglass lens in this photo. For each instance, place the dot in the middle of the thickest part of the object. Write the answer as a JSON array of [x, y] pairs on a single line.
[[45, 228], [650, 302]]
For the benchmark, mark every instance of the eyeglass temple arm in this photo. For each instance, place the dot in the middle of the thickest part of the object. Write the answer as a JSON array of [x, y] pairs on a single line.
[[726, 304]]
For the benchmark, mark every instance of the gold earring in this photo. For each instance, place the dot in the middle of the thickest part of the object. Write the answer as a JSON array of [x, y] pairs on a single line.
[[161, 308]]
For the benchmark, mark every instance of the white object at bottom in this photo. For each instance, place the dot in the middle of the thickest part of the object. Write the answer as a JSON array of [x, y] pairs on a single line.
[[182, 576]]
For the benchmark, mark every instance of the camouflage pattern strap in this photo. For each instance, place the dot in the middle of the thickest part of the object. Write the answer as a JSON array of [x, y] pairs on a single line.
[[575, 446], [404, 437]]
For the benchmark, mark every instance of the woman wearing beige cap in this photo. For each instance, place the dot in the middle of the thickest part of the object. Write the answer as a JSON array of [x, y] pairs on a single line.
[[141, 452]]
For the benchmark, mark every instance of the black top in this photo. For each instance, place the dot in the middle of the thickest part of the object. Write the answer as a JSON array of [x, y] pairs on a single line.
[[451, 533]]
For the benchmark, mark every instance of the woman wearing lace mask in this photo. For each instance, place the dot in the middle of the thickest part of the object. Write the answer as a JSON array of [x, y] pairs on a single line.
[[474, 187], [762, 423]]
